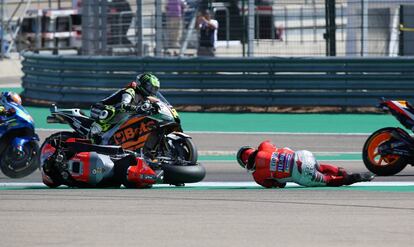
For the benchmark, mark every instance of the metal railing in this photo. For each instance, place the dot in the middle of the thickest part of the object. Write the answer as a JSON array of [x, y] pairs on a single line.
[[83, 80]]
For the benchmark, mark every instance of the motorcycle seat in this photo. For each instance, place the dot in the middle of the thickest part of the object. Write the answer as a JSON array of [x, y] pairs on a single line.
[[87, 147]]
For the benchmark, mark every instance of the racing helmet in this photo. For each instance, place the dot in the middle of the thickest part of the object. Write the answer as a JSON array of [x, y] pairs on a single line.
[[245, 157], [148, 84], [12, 97]]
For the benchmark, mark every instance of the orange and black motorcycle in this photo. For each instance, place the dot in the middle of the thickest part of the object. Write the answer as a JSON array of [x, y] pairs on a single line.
[[389, 150], [157, 135]]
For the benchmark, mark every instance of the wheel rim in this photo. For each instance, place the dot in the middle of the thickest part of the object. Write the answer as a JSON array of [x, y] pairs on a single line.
[[373, 155], [180, 150], [16, 162]]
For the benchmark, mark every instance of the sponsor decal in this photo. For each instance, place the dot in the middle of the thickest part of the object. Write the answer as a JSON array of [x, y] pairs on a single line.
[[281, 164], [284, 162], [273, 161], [77, 124], [148, 177], [98, 170], [132, 133]]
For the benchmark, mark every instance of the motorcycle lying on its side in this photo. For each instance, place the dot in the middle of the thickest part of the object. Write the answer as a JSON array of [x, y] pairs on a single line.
[[79, 163], [18, 141], [155, 134], [389, 150]]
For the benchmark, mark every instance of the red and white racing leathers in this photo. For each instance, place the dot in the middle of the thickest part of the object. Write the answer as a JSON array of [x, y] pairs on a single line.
[[276, 166]]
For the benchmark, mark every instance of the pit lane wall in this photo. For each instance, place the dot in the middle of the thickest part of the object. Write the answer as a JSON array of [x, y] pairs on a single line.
[[274, 81]]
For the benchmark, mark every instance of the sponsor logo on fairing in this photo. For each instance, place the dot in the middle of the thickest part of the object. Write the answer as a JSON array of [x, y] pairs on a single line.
[[98, 170]]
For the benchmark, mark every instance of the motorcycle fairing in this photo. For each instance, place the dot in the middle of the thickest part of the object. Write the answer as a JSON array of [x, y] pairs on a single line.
[[90, 167], [402, 110], [74, 117], [400, 144], [79, 167], [134, 133], [21, 119], [141, 173]]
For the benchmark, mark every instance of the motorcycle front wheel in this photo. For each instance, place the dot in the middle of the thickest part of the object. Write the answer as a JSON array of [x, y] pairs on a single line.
[[16, 164], [382, 165], [184, 149]]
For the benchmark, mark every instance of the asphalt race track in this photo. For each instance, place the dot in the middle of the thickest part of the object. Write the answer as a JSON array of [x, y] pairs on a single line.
[[218, 213]]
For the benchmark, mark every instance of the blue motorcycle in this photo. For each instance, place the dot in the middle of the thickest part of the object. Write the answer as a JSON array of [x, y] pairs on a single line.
[[18, 141]]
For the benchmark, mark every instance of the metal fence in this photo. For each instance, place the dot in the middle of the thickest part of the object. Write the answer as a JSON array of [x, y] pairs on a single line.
[[263, 28], [246, 27]]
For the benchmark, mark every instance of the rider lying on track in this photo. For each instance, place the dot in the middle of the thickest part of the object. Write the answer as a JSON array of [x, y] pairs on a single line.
[[132, 98], [273, 167]]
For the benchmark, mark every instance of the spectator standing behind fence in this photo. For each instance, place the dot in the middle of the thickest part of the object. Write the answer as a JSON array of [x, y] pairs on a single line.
[[208, 34], [174, 12]]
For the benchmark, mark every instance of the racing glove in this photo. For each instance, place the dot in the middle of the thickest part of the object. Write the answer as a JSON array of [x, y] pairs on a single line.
[[2, 110]]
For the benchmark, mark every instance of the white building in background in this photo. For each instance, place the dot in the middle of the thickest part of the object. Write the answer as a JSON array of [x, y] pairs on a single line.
[[373, 27]]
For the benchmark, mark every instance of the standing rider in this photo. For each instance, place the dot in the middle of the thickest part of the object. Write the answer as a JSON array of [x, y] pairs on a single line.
[[273, 167], [132, 98]]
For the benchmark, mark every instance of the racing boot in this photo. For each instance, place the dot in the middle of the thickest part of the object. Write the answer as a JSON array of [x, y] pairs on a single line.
[[359, 177]]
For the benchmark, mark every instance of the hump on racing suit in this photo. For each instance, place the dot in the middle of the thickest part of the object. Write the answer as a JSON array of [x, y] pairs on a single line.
[[273, 163], [116, 98]]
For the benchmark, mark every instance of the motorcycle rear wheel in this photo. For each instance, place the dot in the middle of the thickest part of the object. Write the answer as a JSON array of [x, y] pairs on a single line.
[[14, 166], [382, 165], [63, 136]]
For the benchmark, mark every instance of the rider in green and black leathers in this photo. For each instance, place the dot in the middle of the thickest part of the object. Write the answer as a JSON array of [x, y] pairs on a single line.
[[131, 98]]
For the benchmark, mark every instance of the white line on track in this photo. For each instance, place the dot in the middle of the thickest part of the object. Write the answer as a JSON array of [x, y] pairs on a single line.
[[9, 85], [219, 184], [201, 160], [275, 133]]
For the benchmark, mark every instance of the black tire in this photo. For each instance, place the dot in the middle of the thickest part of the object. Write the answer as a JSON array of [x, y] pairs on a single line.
[[177, 174], [64, 135], [17, 167], [393, 163]]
